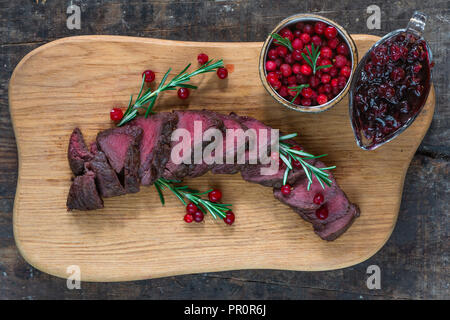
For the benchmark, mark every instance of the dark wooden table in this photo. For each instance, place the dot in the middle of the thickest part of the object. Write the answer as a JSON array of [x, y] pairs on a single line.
[[414, 262]]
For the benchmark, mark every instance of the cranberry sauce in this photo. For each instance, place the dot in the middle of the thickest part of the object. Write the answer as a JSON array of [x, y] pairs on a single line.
[[287, 70], [390, 88]]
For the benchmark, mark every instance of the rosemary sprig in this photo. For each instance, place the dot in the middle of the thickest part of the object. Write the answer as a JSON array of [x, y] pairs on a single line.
[[312, 58], [184, 193], [288, 154], [298, 89], [146, 100], [283, 41]]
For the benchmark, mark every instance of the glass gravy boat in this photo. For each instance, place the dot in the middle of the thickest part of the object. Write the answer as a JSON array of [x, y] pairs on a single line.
[[377, 113]]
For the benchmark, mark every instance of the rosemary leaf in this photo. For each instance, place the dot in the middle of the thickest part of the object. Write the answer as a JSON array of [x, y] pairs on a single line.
[[283, 41]]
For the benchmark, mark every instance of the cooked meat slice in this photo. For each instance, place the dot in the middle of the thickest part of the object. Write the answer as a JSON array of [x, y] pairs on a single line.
[[252, 154], [121, 147], [338, 206], [187, 120], [78, 154], [337, 227], [106, 178], [83, 193], [230, 150], [154, 147], [253, 173]]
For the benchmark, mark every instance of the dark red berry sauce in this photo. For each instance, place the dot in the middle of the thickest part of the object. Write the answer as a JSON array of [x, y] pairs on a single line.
[[285, 68], [390, 88]]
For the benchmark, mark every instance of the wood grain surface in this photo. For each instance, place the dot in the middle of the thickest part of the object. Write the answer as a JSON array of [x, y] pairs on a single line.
[[81, 78]]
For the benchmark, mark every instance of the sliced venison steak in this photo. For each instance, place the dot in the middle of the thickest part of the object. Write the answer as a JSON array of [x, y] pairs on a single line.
[[230, 149], [253, 173], [187, 120], [106, 178], [339, 207], [121, 147], [78, 154], [83, 193], [154, 147]]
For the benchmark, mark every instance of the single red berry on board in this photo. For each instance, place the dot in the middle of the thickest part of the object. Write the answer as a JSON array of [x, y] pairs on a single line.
[[149, 76], [318, 198], [322, 213], [198, 216], [286, 189], [191, 208], [215, 195], [183, 93], [222, 73], [116, 114], [298, 148], [202, 58], [322, 99], [330, 32], [188, 218], [229, 217]]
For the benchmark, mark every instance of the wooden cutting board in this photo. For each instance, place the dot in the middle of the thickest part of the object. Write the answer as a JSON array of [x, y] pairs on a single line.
[[76, 81]]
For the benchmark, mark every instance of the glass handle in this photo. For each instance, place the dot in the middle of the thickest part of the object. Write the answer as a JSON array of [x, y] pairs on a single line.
[[416, 24]]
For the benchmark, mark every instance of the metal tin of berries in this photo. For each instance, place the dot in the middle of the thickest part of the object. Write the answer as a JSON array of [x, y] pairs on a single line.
[[268, 42]]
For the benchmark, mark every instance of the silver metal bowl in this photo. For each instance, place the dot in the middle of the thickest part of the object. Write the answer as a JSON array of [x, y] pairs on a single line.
[[263, 55]]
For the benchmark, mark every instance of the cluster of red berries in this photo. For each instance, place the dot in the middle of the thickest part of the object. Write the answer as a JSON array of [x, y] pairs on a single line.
[[286, 69], [116, 114], [193, 213]]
